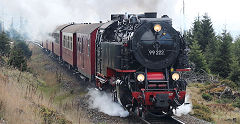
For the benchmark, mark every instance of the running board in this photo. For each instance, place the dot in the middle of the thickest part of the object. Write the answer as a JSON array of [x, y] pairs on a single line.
[[101, 79]]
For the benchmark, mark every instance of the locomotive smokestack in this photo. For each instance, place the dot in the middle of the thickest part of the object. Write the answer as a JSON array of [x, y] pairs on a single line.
[[150, 14], [126, 15]]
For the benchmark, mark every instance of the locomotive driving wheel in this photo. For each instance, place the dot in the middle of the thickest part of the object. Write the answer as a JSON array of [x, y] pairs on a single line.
[[139, 110], [114, 95], [98, 84], [170, 112]]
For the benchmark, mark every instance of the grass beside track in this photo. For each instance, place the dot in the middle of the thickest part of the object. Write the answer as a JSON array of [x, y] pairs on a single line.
[[210, 109], [38, 96]]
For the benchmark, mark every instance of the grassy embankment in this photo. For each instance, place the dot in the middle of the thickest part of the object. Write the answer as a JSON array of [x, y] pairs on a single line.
[[208, 106], [41, 95]]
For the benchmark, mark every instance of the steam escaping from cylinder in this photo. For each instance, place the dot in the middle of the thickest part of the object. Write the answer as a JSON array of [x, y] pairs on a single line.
[[184, 108], [103, 102]]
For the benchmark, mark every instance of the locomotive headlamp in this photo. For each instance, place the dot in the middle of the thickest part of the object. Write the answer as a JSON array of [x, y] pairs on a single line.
[[140, 77], [175, 76], [157, 27]]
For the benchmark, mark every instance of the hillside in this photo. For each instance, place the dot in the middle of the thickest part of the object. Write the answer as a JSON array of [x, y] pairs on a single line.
[[209, 106], [37, 96]]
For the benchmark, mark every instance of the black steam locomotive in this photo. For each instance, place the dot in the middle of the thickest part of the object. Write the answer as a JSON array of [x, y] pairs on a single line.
[[140, 58]]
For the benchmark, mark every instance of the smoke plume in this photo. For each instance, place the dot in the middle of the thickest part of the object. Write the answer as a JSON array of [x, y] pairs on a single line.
[[103, 102], [44, 16], [184, 108]]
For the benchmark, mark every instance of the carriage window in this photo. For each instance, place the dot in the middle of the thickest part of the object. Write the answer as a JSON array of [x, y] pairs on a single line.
[[82, 46], [78, 47], [88, 47], [68, 44], [56, 37], [77, 43], [66, 41], [63, 40]]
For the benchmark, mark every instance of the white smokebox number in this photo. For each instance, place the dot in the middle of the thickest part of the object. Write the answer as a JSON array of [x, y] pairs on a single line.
[[156, 52]]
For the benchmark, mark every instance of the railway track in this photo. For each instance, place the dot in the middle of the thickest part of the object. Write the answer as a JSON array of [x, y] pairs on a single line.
[[162, 120]]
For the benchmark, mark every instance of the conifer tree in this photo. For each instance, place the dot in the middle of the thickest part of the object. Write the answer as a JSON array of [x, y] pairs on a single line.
[[206, 32], [211, 52], [196, 30], [17, 59], [235, 71], [4, 44], [196, 56], [236, 49], [221, 64], [203, 32], [24, 47], [188, 37]]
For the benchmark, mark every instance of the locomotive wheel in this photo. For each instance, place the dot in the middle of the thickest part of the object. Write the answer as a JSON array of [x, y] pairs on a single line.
[[139, 112], [114, 96], [124, 95], [98, 85], [170, 112]]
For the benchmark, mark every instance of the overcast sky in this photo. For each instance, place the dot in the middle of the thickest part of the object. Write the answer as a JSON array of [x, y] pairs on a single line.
[[222, 12], [43, 16]]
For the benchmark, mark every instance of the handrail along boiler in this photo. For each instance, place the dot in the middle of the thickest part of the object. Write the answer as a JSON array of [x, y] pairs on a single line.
[[140, 57]]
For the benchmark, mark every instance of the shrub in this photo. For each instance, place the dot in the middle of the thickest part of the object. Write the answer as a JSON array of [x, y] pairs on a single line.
[[207, 96], [17, 59], [24, 47], [2, 109], [201, 111], [201, 107], [224, 100], [229, 83], [236, 103], [202, 115], [211, 86], [2, 61], [51, 116]]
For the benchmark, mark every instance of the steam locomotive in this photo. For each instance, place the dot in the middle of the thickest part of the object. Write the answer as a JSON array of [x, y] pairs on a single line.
[[138, 57]]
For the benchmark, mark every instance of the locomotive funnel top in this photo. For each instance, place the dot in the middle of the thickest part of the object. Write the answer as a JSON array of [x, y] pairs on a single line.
[[145, 15]]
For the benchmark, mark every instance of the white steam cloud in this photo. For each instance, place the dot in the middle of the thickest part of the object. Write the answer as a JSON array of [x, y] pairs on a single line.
[[43, 16], [184, 108], [103, 102]]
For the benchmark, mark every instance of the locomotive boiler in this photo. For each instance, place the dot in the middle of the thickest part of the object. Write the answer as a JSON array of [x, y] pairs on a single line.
[[140, 58]]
